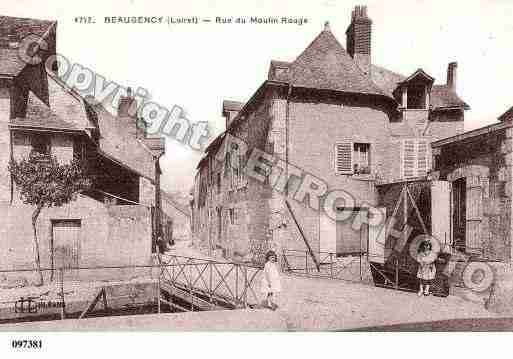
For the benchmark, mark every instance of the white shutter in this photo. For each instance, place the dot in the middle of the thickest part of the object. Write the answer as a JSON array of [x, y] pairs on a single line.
[[422, 157], [408, 158], [344, 158], [415, 158]]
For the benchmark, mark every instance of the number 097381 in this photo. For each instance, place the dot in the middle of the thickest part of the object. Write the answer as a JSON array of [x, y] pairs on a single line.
[[26, 344]]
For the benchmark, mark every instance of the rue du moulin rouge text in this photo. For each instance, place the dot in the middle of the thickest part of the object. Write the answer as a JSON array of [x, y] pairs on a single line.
[[261, 20]]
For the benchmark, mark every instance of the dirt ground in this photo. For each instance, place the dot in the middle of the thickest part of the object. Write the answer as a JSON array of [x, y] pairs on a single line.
[[326, 304]]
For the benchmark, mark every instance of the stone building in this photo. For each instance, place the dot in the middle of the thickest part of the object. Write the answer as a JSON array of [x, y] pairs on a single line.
[[478, 166], [331, 113], [112, 224]]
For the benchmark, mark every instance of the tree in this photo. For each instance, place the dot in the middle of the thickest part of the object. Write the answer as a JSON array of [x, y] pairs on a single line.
[[43, 182]]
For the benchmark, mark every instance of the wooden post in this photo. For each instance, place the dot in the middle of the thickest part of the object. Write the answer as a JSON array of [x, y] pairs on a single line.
[[158, 289], [63, 313], [236, 284], [104, 297], [192, 299], [159, 273], [210, 282], [245, 287], [306, 262], [397, 273]]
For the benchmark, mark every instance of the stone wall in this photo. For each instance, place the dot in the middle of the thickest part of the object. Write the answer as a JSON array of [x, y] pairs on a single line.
[[109, 236], [306, 139], [485, 164]]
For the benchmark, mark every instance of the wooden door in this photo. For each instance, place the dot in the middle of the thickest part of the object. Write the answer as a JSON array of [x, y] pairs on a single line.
[[66, 243], [459, 192], [441, 211], [351, 239]]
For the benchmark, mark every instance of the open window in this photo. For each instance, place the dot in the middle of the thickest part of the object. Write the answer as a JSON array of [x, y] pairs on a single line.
[[361, 158], [352, 158], [41, 144]]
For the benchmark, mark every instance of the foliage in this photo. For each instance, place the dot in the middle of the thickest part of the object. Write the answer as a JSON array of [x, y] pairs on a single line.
[[42, 181]]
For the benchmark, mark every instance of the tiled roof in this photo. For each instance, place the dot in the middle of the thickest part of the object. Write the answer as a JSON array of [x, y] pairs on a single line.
[[442, 97], [506, 116], [10, 62], [14, 29], [118, 144], [386, 80], [39, 115], [324, 64]]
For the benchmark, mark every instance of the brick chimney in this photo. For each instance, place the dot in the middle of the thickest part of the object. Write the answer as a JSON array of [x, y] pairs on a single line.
[[452, 75], [127, 113], [358, 38]]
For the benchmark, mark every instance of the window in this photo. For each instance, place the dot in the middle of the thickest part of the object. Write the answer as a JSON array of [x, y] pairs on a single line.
[[352, 158], [415, 158], [344, 158], [41, 144], [361, 163], [416, 97]]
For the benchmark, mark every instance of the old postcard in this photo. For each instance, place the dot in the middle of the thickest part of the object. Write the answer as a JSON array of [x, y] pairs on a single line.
[[255, 166]]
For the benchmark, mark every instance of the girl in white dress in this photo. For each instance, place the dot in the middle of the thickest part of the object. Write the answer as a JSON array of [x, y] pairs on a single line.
[[427, 269], [271, 284]]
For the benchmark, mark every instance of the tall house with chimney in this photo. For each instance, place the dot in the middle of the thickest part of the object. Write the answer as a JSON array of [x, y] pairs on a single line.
[[331, 112]]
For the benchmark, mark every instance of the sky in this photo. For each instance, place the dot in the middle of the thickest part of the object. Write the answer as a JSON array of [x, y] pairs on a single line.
[[197, 66]]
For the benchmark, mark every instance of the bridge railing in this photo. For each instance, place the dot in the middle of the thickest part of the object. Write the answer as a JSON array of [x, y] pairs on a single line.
[[222, 284]]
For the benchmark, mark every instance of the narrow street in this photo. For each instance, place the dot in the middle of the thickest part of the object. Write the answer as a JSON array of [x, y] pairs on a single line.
[[325, 304]]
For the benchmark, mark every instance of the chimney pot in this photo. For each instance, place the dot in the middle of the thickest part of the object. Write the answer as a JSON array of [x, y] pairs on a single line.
[[358, 38], [327, 26], [452, 75]]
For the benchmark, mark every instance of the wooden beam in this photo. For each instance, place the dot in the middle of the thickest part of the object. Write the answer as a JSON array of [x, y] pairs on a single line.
[[93, 303], [310, 251]]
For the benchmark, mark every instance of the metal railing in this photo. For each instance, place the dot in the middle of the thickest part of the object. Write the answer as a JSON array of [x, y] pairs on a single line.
[[352, 267], [175, 284], [209, 283]]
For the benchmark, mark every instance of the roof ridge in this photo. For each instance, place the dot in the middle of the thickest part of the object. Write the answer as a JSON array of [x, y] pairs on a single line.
[[326, 64]]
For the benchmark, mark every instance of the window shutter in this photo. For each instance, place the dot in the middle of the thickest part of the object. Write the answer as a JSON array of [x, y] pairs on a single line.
[[344, 158], [408, 158], [422, 157]]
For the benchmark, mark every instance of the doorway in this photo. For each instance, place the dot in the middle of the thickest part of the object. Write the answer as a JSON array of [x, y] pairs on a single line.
[[351, 233], [65, 243], [459, 192]]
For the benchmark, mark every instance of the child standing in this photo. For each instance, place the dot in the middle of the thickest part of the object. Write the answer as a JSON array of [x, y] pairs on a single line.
[[271, 284], [427, 268]]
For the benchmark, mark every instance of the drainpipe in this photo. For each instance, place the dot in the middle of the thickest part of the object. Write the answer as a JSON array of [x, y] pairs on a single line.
[[158, 202], [287, 111]]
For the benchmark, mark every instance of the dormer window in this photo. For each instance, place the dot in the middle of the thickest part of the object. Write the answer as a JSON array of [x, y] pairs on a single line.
[[414, 92], [416, 99]]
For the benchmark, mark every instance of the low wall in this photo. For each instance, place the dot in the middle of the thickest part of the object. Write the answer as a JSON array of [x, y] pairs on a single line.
[[109, 236]]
